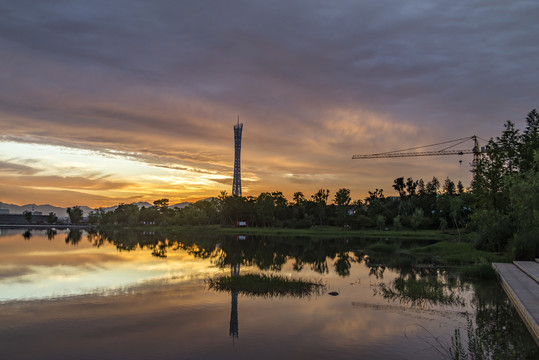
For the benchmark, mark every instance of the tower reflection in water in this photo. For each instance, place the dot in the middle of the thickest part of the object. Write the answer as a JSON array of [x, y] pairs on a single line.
[[234, 271]]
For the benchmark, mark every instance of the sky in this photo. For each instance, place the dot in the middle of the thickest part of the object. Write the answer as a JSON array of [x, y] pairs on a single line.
[[104, 102]]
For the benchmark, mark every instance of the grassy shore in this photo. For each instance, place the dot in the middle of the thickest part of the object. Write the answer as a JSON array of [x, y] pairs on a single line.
[[317, 231]]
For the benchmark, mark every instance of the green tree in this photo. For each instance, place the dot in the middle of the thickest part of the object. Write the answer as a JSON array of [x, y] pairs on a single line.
[[523, 191], [460, 188], [75, 214], [321, 196], [96, 216], [411, 186], [127, 214], [399, 186], [342, 197], [161, 204], [342, 200], [52, 218], [299, 198], [432, 186], [320, 199], [27, 216], [529, 143], [265, 209], [417, 218], [449, 187]]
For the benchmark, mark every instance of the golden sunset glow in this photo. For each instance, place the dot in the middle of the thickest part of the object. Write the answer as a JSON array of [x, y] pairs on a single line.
[[99, 109]]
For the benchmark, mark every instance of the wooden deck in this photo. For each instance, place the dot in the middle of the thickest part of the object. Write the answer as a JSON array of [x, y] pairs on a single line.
[[521, 283]]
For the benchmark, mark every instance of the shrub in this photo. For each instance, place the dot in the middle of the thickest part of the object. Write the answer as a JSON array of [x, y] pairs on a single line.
[[525, 246], [493, 228]]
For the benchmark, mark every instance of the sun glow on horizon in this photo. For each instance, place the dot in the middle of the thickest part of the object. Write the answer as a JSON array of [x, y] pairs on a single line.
[[106, 179]]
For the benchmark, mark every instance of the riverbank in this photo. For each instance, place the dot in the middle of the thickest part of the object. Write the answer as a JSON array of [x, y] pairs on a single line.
[[318, 231]]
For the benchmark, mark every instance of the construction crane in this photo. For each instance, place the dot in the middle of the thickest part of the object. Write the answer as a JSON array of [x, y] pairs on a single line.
[[447, 150]]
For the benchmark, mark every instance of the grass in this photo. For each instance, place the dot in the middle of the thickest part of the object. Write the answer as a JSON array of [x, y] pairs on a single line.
[[315, 231], [265, 285], [382, 248], [458, 253], [472, 263]]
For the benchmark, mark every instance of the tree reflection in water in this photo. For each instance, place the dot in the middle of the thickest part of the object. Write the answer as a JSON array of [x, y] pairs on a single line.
[[420, 291], [74, 236], [495, 331], [51, 234]]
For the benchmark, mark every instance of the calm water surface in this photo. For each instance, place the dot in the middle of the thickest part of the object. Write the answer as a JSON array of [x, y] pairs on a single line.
[[73, 295]]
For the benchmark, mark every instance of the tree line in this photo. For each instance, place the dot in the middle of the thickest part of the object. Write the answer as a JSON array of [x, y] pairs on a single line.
[[500, 207]]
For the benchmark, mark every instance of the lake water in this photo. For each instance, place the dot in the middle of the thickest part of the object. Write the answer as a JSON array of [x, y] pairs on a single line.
[[125, 295]]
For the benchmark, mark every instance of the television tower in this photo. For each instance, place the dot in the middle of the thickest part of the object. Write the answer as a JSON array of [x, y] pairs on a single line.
[[236, 184]]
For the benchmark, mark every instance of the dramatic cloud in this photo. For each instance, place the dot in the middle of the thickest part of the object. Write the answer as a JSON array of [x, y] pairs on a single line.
[[161, 83]]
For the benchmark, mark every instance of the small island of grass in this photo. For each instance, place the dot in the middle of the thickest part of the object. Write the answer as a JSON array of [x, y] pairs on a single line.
[[266, 285]]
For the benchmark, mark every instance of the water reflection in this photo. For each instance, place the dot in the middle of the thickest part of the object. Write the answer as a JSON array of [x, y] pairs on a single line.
[[27, 235], [362, 319], [423, 291], [234, 325], [51, 234], [74, 236]]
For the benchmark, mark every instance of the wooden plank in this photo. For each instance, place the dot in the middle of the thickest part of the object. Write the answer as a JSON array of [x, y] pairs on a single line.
[[524, 294], [531, 268]]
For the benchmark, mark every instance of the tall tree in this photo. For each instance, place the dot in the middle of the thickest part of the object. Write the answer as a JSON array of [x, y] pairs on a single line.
[[449, 187], [75, 214], [52, 218], [299, 198], [433, 186], [342, 200], [342, 197], [161, 204], [320, 199], [411, 186], [321, 196], [27, 216], [399, 186], [529, 142]]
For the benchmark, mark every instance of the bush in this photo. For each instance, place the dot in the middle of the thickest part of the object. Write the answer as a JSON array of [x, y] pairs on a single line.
[[304, 223], [363, 222], [493, 228], [525, 246], [397, 223]]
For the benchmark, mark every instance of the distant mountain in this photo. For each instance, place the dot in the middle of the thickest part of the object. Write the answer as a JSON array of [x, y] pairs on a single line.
[[180, 205], [62, 212], [45, 209], [139, 204], [146, 204]]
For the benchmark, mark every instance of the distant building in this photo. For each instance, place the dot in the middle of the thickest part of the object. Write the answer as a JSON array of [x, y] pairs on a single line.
[[4, 211], [37, 213], [19, 219]]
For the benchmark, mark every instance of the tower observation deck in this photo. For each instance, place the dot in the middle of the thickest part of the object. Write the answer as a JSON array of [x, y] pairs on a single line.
[[236, 184]]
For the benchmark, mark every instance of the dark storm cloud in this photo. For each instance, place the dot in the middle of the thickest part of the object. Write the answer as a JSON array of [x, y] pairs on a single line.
[[315, 81], [275, 56]]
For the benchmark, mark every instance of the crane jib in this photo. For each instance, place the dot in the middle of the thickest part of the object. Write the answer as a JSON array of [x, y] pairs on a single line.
[[410, 154]]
